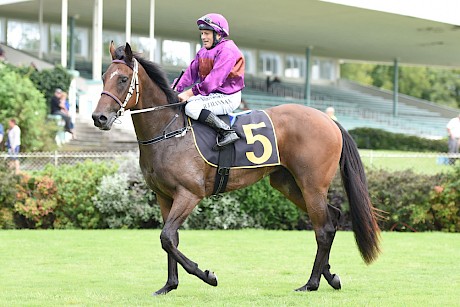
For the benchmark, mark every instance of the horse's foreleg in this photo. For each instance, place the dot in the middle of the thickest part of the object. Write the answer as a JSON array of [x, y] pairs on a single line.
[[181, 208], [173, 278]]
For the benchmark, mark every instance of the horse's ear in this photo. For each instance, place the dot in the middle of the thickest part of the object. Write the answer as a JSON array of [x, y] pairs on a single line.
[[128, 53], [112, 50]]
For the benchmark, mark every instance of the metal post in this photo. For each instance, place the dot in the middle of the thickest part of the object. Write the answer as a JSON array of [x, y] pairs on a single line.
[[395, 88], [307, 75]]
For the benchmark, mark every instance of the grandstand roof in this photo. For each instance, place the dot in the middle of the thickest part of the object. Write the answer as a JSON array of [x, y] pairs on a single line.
[[333, 30]]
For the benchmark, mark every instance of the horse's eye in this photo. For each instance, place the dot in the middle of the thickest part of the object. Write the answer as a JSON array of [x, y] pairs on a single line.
[[124, 79]]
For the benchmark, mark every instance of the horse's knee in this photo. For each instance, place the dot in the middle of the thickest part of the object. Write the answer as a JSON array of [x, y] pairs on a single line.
[[325, 236], [166, 240]]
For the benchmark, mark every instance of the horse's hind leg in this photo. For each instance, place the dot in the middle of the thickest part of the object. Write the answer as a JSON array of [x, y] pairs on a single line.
[[324, 218]]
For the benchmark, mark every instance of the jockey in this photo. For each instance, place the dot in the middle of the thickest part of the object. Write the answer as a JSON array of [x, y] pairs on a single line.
[[216, 77]]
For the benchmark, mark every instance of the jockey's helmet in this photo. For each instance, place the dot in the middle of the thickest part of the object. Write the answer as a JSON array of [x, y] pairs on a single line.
[[214, 22]]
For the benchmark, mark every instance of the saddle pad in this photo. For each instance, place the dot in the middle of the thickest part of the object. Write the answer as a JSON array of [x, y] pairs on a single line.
[[256, 147]]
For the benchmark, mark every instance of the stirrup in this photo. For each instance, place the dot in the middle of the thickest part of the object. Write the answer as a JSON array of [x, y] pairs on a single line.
[[232, 137]]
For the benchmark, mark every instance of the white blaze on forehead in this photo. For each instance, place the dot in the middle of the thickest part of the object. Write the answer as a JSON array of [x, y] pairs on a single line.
[[114, 73]]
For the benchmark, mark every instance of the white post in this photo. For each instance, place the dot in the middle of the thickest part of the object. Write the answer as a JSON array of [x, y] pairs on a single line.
[[97, 39], [152, 31], [64, 12], [128, 21]]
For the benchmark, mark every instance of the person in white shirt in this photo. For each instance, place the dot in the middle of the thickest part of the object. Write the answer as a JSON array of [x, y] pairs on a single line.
[[453, 130], [14, 143]]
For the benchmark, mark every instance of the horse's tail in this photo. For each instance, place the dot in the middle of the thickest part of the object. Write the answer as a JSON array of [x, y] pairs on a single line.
[[363, 215]]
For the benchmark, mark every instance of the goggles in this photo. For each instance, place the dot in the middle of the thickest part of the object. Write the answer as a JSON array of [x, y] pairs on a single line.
[[209, 21]]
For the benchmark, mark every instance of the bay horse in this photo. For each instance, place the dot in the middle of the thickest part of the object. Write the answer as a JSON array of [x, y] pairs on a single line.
[[311, 149]]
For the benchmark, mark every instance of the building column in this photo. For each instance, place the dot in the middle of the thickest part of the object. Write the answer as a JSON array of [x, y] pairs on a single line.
[[128, 22], [64, 13], [395, 87], [97, 39], [152, 31], [307, 75]]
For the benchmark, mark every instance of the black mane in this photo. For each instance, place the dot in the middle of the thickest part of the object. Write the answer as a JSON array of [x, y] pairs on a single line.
[[157, 74], [154, 71]]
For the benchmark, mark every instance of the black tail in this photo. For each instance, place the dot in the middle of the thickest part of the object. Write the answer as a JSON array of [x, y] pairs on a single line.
[[363, 216]]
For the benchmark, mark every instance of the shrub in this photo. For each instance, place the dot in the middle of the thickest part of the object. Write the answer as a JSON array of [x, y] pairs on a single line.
[[8, 181], [219, 213], [76, 185], [22, 101], [369, 138], [268, 207], [36, 202]]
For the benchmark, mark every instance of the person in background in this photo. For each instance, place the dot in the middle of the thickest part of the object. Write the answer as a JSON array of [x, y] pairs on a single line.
[[58, 108], [216, 77], [2, 133], [2, 55], [453, 131], [330, 111], [14, 143]]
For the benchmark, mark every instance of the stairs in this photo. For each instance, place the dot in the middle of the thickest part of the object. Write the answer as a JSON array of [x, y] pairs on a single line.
[[89, 138]]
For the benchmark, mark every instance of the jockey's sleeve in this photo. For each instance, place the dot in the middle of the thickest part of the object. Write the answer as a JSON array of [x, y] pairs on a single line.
[[189, 77]]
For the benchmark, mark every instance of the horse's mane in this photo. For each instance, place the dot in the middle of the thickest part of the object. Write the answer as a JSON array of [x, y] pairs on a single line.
[[155, 72]]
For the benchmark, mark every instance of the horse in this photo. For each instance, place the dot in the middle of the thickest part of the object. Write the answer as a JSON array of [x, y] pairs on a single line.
[[312, 147]]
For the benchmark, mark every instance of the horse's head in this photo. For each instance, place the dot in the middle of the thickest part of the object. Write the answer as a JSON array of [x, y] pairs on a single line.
[[121, 87]]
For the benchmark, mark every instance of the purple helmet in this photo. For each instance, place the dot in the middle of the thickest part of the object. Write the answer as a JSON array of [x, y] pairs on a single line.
[[214, 22]]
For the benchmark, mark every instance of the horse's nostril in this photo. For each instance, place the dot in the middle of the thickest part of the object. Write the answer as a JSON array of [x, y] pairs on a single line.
[[99, 119]]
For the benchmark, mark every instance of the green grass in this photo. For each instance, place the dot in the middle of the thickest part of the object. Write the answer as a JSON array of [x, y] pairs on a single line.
[[420, 162], [255, 268]]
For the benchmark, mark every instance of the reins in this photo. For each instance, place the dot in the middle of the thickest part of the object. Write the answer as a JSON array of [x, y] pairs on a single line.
[[134, 85]]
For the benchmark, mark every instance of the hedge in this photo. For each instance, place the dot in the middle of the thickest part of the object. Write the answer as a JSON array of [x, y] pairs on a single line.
[[99, 195]]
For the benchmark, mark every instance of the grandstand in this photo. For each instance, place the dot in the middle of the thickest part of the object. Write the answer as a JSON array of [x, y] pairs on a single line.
[[356, 107]]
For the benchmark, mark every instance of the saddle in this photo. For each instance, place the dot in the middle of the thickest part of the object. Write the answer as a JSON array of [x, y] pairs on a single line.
[[257, 146]]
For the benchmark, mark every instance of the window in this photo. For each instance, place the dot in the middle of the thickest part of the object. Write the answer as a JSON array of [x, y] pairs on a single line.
[[323, 69], [176, 53], [23, 35], [249, 65], [269, 63], [294, 67]]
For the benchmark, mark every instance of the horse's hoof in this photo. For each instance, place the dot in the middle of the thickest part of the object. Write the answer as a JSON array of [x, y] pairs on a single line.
[[335, 282], [165, 290], [307, 287], [211, 278]]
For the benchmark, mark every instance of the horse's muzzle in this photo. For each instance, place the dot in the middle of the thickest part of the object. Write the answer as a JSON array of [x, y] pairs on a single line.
[[101, 121]]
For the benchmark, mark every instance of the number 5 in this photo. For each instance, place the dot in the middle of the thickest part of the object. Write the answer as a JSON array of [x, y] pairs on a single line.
[[251, 139]]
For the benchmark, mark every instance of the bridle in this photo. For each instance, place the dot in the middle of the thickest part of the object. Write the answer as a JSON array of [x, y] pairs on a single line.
[[134, 85]]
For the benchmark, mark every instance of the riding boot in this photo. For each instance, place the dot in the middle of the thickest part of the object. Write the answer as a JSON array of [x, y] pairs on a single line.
[[226, 134]]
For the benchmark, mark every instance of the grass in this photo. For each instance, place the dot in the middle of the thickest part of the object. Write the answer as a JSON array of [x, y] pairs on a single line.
[[419, 162], [255, 268]]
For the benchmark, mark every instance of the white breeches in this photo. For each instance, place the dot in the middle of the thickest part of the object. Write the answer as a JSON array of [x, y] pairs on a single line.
[[217, 103]]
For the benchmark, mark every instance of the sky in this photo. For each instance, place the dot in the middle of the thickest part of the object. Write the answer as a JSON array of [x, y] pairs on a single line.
[[446, 11]]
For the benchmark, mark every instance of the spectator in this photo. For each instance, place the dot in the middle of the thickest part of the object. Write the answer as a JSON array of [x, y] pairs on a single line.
[[453, 131], [2, 55], [14, 143], [330, 111], [58, 108], [2, 132]]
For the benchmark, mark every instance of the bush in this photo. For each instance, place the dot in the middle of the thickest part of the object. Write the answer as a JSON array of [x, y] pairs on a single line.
[[35, 202], [369, 138], [22, 101], [76, 186], [219, 213], [8, 181], [124, 199]]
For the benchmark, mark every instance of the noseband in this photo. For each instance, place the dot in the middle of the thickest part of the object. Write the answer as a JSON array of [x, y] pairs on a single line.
[[134, 85]]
